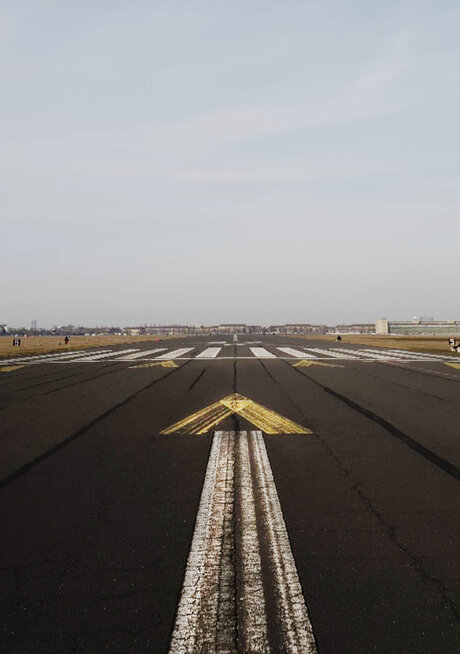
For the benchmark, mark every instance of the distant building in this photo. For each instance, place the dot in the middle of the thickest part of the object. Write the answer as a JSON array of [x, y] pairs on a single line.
[[297, 328], [356, 328], [418, 327], [233, 328]]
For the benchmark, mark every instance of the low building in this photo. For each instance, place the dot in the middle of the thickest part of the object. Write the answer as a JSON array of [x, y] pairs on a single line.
[[297, 328], [418, 327], [356, 328]]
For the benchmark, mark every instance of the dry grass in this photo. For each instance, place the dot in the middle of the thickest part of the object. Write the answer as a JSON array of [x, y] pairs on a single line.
[[414, 343], [45, 344]]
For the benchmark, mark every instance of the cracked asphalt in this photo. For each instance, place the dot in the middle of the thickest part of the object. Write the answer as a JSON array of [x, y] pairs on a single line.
[[97, 509]]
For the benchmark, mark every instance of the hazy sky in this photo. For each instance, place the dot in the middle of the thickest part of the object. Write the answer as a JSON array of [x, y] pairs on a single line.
[[253, 161]]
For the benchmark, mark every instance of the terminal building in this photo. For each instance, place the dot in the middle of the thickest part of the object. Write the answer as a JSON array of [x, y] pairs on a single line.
[[418, 327]]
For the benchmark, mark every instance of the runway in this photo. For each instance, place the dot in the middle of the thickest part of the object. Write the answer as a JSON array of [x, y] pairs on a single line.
[[271, 494]]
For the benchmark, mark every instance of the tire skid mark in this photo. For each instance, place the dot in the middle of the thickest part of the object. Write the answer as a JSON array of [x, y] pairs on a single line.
[[389, 529], [81, 370], [444, 465], [197, 379], [80, 432]]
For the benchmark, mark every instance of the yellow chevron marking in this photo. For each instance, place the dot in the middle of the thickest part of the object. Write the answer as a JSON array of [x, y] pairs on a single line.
[[307, 362], [9, 368], [164, 364], [265, 419], [453, 365]]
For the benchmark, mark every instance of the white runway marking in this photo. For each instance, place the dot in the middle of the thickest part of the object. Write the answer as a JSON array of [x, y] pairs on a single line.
[[223, 604], [444, 357], [298, 354], [386, 355], [390, 354], [97, 357], [209, 353], [175, 353], [52, 356], [142, 353], [359, 354], [262, 353], [330, 353], [397, 355]]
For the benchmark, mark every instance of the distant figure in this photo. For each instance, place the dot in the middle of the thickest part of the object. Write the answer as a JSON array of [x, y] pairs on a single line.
[[339, 338], [66, 340]]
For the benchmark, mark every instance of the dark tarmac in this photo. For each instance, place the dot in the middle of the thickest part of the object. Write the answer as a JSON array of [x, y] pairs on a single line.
[[97, 509]]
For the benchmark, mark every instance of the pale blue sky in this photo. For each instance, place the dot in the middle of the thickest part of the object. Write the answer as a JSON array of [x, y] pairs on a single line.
[[203, 162]]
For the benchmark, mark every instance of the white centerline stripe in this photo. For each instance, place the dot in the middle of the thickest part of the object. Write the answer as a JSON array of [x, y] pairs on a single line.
[[196, 621], [299, 354], [262, 353], [224, 595], [209, 353], [252, 611], [295, 627], [175, 353], [142, 353]]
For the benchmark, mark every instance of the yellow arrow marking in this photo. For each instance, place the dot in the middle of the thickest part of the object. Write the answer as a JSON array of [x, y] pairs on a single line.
[[453, 365], [308, 362], [164, 364], [9, 368], [265, 419]]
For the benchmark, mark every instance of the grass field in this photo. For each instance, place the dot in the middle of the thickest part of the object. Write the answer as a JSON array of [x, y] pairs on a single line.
[[413, 343], [44, 344]]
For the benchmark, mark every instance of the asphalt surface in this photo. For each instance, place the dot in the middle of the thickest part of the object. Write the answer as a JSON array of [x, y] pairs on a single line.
[[97, 509]]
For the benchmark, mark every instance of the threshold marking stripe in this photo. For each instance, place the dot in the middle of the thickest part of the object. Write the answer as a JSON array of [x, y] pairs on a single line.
[[223, 605], [209, 353], [298, 354], [175, 353], [358, 354], [445, 357], [330, 353], [397, 355], [259, 416], [52, 356], [97, 357], [262, 353], [142, 353]]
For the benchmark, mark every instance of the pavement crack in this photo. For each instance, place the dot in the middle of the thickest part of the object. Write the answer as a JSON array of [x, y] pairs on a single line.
[[416, 562], [286, 394]]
